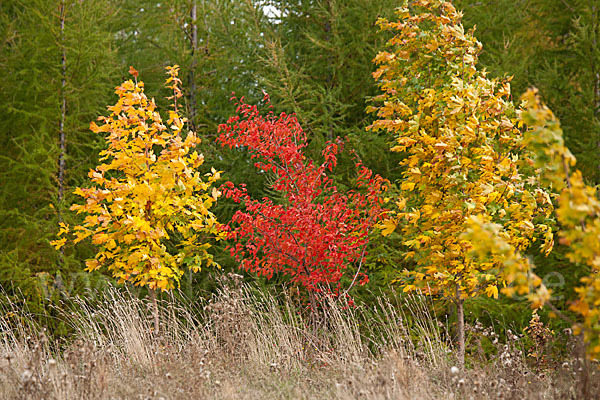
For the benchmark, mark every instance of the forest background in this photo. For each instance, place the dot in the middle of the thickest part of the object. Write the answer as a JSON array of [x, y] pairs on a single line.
[[62, 59]]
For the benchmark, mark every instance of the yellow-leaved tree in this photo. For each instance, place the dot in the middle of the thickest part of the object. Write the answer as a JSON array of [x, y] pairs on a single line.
[[578, 211], [148, 208], [578, 215], [465, 160]]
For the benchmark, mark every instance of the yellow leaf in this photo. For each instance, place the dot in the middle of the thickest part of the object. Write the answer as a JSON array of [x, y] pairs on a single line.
[[409, 288], [99, 238], [58, 243], [492, 291], [407, 186], [92, 265], [388, 226], [64, 228]]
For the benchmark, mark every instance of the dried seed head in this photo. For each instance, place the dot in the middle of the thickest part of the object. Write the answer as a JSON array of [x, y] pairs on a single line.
[[26, 375]]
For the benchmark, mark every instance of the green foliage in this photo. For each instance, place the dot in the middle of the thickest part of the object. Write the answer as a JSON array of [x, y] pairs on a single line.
[[554, 46], [30, 61], [313, 58]]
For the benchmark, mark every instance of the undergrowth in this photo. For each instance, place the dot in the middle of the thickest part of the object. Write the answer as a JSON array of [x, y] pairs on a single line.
[[245, 343]]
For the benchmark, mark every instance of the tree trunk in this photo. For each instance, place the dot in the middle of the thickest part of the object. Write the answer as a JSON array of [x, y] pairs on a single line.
[[596, 77], [329, 79], [192, 74], [61, 124], [584, 371], [155, 311], [190, 284], [460, 327], [63, 109]]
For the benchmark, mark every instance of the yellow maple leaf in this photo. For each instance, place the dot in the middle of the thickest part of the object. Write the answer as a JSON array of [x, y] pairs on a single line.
[[58, 243], [388, 226], [407, 186], [492, 291]]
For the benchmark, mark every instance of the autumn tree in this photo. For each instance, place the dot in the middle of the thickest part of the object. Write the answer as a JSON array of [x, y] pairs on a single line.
[[148, 209], [578, 211], [578, 214], [464, 156], [317, 234]]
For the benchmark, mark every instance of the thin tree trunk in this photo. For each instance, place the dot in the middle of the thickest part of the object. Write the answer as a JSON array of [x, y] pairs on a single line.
[[61, 124], [460, 327], [155, 311], [596, 76], [584, 370], [583, 363], [63, 109], [192, 74], [329, 79]]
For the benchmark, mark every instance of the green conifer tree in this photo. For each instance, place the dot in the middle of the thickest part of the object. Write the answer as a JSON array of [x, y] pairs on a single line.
[[58, 62], [554, 46]]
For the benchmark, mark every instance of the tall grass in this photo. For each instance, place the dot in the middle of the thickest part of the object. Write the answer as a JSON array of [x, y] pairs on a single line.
[[244, 343]]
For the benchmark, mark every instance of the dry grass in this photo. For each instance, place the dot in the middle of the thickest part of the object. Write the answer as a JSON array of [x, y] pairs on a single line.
[[244, 344]]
